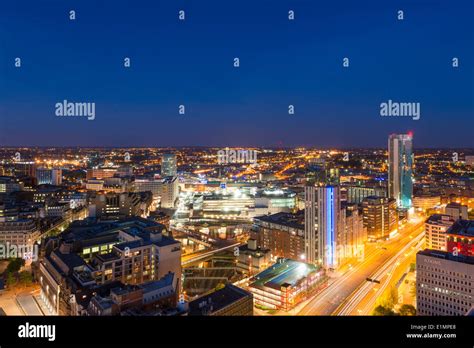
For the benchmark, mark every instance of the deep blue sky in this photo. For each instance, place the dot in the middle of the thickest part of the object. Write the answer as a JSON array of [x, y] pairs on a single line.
[[191, 63]]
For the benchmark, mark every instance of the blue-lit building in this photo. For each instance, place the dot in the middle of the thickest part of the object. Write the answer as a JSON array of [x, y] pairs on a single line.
[[400, 169], [329, 225]]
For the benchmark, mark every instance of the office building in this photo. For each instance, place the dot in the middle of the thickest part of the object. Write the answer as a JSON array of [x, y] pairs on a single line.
[[20, 232], [456, 210], [228, 301], [355, 235], [169, 192], [435, 231], [115, 205], [380, 217], [356, 194], [168, 165], [46, 176], [400, 169], [444, 283], [282, 233]]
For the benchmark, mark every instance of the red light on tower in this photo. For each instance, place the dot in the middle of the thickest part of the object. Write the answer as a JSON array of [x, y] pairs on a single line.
[[410, 133]]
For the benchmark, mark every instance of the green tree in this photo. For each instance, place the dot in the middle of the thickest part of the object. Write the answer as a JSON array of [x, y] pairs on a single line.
[[383, 311], [15, 265], [407, 310], [26, 278], [11, 279]]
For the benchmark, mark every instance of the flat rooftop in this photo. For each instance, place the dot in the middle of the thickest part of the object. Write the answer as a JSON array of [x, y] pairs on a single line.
[[218, 299], [285, 272], [462, 228], [444, 255], [284, 219]]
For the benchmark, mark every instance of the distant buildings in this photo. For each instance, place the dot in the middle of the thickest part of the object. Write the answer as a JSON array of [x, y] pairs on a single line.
[[46, 176], [456, 210], [228, 301], [444, 283], [400, 169], [380, 217], [426, 202], [9, 185], [169, 192], [435, 231], [117, 205], [285, 284], [168, 165]]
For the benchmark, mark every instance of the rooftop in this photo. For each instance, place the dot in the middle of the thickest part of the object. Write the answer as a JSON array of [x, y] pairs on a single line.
[[447, 256], [462, 228], [284, 219], [285, 272], [217, 299]]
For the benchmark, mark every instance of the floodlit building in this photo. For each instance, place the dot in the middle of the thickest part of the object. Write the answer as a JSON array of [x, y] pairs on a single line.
[[444, 283], [400, 169], [435, 231], [380, 217], [285, 284]]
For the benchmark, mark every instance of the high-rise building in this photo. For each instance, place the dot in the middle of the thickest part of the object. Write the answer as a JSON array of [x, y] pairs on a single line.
[[330, 225], [435, 231], [444, 283], [311, 249], [46, 176], [355, 234], [380, 217], [169, 192], [400, 169], [168, 165]]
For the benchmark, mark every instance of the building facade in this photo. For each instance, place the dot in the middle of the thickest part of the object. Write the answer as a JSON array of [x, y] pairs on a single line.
[[400, 169], [444, 283]]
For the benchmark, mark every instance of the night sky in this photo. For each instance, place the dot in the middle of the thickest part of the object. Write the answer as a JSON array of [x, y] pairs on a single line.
[[282, 62]]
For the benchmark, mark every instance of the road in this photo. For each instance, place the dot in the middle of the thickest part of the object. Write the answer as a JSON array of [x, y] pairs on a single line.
[[364, 299], [341, 288]]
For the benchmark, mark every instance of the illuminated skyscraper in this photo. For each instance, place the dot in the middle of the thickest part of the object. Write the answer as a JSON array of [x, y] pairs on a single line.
[[400, 169], [168, 165], [329, 224]]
